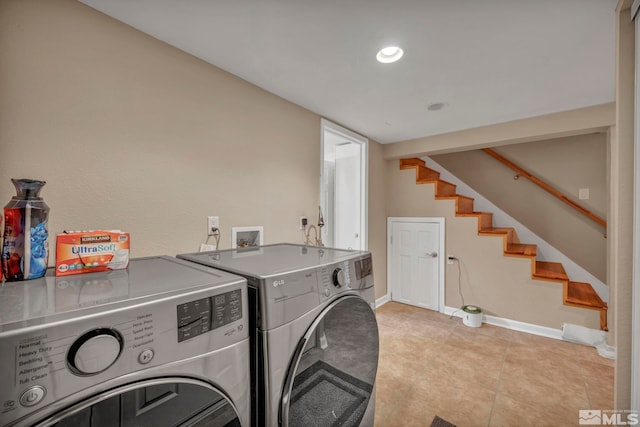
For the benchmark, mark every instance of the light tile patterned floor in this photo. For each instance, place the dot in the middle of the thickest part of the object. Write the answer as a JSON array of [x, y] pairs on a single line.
[[489, 376]]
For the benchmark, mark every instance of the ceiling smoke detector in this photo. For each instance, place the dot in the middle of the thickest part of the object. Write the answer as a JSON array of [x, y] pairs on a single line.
[[389, 54], [436, 106]]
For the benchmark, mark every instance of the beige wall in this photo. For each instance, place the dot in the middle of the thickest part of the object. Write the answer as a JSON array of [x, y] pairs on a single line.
[[501, 285], [556, 125], [621, 208], [131, 133], [378, 217], [567, 164]]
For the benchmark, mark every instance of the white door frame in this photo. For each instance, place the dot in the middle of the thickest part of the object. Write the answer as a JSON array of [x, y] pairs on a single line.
[[441, 253], [327, 126]]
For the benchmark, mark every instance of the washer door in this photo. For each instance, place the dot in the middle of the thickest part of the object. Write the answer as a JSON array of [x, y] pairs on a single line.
[[332, 373], [158, 402]]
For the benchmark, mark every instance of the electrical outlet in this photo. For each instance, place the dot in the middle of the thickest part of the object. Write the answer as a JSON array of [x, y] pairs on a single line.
[[303, 222], [450, 258], [212, 222]]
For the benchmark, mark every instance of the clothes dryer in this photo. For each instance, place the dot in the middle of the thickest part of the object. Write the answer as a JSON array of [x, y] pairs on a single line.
[[163, 343], [314, 336]]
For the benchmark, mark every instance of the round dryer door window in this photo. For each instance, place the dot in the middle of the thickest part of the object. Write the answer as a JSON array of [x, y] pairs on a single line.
[[332, 375], [158, 402]]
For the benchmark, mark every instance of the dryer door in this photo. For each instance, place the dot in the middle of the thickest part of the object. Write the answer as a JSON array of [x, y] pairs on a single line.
[[332, 373], [156, 402]]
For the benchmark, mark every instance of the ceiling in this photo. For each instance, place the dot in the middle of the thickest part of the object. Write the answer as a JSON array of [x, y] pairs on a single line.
[[488, 61]]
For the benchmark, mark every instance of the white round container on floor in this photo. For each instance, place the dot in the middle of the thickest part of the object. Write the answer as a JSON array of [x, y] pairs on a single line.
[[472, 316]]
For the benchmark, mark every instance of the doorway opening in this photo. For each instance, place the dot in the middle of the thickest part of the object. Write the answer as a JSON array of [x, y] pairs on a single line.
[[343, 187]]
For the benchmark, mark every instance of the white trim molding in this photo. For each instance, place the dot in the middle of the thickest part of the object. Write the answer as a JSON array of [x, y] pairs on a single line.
[[514, 325], [635, 282], [382, 300], [327, 126]]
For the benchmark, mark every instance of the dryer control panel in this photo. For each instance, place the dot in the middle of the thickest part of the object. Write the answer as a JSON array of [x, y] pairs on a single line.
[[291, 295], [355, 274]]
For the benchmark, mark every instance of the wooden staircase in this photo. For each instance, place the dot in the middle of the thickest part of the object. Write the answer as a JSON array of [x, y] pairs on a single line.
[[576, 294]]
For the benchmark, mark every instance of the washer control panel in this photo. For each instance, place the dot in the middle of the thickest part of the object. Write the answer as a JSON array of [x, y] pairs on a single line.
[[200, 316], [45, 363], [32, 396], [94, 351], [339, 277]]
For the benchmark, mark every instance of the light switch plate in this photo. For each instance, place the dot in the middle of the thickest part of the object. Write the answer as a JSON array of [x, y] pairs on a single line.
[[583, 194]]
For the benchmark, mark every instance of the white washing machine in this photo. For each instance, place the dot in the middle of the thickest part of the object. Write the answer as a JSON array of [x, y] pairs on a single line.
[[314, 336], [163, 343]]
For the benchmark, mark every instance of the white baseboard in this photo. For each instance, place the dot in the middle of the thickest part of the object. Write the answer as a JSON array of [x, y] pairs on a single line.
[[383, 300], [515, 325]]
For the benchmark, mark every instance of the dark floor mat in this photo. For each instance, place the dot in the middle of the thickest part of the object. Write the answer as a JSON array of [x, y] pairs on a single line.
[[324, 396], [439, 422]]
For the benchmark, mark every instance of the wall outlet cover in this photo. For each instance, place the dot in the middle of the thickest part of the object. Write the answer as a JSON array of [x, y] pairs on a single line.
[[212, 222]]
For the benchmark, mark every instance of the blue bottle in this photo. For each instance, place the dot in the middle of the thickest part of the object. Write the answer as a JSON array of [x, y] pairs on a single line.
[[25, 250]]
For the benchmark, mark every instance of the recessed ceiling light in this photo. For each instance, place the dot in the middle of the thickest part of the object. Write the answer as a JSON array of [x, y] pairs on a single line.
[[389, 54]]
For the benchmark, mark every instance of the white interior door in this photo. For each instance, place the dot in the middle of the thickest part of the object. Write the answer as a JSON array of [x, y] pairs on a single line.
[[415, 258]]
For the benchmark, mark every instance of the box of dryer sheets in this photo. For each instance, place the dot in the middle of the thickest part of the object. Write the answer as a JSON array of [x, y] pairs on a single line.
[[79, 252]]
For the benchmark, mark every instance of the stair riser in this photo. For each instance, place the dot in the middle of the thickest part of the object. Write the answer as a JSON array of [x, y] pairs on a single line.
[[445, 189], [426, 174], [464, 204], [486, 220]]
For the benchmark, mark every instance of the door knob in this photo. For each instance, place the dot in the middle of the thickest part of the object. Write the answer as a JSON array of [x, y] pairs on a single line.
[[432, 254]]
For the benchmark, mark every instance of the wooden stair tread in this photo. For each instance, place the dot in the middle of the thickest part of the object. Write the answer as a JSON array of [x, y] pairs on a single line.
[[410, 163], [521, 249], [457, 196], [583, 294], [550, 271], [496, 230], [476, 213]]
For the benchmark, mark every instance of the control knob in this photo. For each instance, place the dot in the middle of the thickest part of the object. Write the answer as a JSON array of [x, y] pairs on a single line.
[[339, 278], [95, 351]]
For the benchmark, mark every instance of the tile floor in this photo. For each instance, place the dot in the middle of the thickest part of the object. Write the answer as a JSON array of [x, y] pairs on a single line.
[[489, 376]]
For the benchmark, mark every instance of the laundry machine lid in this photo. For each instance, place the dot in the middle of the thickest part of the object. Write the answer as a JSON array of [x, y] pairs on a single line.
[[271, 260], [51, 298]]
